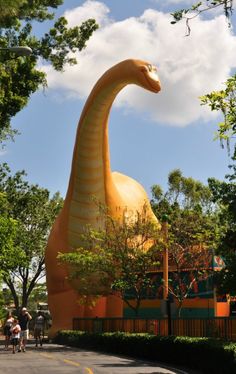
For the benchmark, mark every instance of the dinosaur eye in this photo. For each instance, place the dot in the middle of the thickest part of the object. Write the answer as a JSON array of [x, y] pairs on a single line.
[[149, 67]]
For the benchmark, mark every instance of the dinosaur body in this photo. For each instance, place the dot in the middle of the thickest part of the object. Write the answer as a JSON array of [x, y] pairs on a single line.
[[91, 176]]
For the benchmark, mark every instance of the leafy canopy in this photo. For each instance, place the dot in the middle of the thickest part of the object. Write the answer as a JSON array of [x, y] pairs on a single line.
[[116, 259], [32, 211], [225, 195], [20, 76], [224, 101], [192, 220]]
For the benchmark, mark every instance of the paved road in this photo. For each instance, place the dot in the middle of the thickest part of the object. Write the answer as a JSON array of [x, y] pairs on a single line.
[[55, 359]]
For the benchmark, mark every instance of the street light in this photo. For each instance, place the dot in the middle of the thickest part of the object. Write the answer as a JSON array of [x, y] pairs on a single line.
[[19, 50], [165, 256]]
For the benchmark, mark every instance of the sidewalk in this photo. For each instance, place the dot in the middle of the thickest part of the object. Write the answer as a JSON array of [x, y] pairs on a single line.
[[31, 340]]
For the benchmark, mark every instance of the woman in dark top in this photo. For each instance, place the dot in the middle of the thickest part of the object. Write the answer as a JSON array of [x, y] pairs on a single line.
[[6, 330]]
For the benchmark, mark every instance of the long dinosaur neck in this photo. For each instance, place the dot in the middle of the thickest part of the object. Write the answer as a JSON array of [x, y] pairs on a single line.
[[91, 174]]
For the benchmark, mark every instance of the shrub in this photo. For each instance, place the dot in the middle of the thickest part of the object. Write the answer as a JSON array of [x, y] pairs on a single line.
[[211, 356]]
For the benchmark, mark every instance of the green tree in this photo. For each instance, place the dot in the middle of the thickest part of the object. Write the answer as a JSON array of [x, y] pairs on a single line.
[[191, 241], [2, 304], [10, 255], [183, 193], [10, 11], [34, 211], [19, 76], [38, 295], [224, 193], [224, 102], [118, 259], [193, 230]]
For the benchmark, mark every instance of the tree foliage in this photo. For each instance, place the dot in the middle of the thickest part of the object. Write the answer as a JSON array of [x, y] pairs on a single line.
[[38, 295], [200, 7], [34, 212], [193, 230], [20, 76], [116, 259], [183, 193], [225, 194], [8, 233], [224, 101]]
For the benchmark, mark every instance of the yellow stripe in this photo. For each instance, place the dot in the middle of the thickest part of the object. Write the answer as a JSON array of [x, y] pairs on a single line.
[[85, 199], [83, 156], [65, 361], [91, 147], [94, 170], [47, 355], [98, 193], [89, 370], [92, 138], [72, 362], [87, 162], [79, 218], [89, 179], [95, 129], [86, 204], [83, 182], [79, 211], [77, 227]]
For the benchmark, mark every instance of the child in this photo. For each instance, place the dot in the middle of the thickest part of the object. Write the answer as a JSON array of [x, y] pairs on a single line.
[[15, 334]]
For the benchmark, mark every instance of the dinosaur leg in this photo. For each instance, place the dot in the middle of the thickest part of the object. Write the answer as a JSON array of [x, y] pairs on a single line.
[[62, 298], [64, 307]]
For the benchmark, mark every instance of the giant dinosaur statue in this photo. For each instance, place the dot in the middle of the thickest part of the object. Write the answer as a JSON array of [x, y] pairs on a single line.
[[91, 176]]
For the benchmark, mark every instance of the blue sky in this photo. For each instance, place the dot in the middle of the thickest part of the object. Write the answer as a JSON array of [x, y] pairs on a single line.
[[149, 134]]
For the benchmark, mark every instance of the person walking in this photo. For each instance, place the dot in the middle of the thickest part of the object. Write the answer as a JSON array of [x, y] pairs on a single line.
[[7, 329], [39, 325], [15, 334], [24, 319]]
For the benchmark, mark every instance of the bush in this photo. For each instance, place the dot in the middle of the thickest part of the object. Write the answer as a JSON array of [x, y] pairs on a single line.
[[205, 354]]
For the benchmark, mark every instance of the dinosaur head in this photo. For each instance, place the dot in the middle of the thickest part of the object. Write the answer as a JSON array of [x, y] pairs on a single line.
[[147, 77], [131, 71]]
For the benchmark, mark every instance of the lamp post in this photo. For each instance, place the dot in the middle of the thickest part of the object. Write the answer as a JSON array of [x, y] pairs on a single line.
[[165, 259], [18, 50], [166, 271]]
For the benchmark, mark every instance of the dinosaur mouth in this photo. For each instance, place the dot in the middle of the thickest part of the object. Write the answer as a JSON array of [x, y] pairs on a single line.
[[154, 84]]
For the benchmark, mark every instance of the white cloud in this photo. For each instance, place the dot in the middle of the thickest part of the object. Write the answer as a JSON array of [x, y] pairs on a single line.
[[90, 9], [188, 66]]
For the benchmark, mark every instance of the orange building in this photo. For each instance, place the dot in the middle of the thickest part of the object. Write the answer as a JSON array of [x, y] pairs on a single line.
[[202, 300]]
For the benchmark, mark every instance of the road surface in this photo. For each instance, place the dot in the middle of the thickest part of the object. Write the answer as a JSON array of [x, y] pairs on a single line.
[[55, 359]]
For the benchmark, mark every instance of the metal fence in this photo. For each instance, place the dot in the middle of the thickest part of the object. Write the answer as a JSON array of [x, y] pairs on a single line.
[[218, 327]]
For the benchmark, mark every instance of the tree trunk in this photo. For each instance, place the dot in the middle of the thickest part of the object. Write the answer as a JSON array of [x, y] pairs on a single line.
[[10, 284], [180, 308]]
